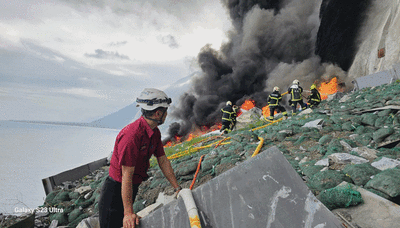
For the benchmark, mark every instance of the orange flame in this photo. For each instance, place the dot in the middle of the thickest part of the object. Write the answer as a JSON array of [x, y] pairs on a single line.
[[247, 105], [328, 88]]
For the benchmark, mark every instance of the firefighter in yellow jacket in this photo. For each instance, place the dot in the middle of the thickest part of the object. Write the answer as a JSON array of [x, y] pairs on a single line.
[[315, 98], [228, 117], [273, 103], [296, 97]]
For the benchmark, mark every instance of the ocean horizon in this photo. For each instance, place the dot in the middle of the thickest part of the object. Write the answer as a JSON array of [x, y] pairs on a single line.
[[31, 152]]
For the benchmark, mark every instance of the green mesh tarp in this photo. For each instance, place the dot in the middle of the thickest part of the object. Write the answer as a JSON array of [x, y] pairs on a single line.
[[387, 181], [341, 196], [327, 179], [382, 133], [361, 173]]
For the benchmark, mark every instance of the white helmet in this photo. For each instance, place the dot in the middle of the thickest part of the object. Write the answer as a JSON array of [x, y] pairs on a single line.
[[276, 88], [228, 103], [296, 82], [150, 99]]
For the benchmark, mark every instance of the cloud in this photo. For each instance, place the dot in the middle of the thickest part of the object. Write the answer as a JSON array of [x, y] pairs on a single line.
[[100, 54], [170, 41], [117, 44]]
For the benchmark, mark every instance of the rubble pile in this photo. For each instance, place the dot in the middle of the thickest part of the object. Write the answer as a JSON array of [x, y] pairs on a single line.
[[353, 137]]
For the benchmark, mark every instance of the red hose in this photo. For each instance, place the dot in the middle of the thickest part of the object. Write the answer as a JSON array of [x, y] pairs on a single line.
[[197, 172]]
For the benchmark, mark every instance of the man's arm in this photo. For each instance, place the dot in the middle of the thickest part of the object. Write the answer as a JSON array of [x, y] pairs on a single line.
[[130, 218], [167, 170]]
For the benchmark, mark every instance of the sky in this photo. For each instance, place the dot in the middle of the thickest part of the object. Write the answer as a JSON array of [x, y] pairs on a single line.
[[77, 61]]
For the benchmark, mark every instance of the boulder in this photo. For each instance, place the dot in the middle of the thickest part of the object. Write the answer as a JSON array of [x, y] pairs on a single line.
[[386, 163], [345, 158], [366, 152]]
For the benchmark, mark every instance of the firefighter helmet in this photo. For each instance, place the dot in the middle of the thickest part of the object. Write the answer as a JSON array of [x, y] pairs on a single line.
[[276, 88], [228, 103], [296, 81]]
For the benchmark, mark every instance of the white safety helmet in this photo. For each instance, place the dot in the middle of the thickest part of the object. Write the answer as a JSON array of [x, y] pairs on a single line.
[[228, 103], [150, 99], [296, 82], [276, 88]]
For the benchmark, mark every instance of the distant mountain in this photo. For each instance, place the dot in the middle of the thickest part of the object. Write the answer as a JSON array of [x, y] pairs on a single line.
[[121, 118]]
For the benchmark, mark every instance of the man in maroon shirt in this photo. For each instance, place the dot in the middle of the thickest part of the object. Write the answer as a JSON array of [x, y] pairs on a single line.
[[134, 146]]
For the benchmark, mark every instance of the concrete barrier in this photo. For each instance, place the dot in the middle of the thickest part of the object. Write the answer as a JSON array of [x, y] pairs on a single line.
[[379, 78], [264, 191], [50, 183]]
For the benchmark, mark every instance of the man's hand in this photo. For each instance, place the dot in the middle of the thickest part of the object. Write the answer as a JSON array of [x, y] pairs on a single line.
[[131, 220]]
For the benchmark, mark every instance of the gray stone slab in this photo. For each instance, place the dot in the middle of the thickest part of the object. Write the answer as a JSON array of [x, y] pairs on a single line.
[[374, 212], [264, 191]]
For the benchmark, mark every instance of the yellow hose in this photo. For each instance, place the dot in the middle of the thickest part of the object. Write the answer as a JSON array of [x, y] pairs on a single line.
[[258, 128], [260, 144]]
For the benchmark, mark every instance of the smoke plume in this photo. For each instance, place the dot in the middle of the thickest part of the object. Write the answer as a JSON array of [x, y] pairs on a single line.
[[272, 43]]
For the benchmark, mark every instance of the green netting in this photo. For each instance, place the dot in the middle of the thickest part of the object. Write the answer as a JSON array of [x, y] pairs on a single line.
[[334, 147], [325, 139], [309, 169], [379, 193], [382, 133], [369, 119], [348, 126], [387, 181], [61, 217], [74, 214], [61, 197], [364, 139], [326, 179], [341, 196], [78, 220], [361, 173]]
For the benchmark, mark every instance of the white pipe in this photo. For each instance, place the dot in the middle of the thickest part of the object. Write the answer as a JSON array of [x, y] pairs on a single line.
[[191, 208]]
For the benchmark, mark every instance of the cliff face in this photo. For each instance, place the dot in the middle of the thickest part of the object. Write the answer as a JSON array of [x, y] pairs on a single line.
[[341, 22], [380, 31], [360, 36]]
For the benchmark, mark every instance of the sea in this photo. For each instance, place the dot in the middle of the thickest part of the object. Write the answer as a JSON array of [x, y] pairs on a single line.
[[30, 152]]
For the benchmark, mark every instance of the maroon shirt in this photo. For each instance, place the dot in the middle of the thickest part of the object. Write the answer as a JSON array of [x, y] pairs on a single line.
[[134, 146]]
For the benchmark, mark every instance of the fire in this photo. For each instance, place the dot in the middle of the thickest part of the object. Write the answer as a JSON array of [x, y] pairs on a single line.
[[247, 105], [265, 111], [328, 88]]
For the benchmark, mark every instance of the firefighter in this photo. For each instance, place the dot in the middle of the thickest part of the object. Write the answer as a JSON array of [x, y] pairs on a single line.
[[235, 109], [228, 117], [295, 92], [315, 98], [273, 103]]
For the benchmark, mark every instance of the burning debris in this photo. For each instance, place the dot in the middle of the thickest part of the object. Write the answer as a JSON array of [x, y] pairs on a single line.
[[272, 43]]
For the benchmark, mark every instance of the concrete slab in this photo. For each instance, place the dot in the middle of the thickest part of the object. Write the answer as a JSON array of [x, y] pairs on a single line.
[[374, 212], [264, 191]]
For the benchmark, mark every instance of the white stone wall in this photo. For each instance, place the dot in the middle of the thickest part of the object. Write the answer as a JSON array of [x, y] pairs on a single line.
[[381, 30]]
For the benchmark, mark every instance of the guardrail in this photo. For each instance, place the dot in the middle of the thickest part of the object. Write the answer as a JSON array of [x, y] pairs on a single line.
[[51, 182]]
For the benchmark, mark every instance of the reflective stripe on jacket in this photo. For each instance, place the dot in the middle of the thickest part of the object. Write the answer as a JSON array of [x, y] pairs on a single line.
[[295, 92], [274, 98], [228, 114]]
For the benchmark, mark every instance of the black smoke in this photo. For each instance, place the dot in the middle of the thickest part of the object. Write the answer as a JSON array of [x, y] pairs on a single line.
[[271, 44]]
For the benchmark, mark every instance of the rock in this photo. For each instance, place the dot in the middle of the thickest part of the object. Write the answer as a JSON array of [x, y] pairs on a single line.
[[366, 152], [88, 195], [318, 123], [344, 98], [149, 209], [91, 222], [323, 162], [83, 189], [346, 146], [345, 158], [164, 199], [303, 160], [386, 163]]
